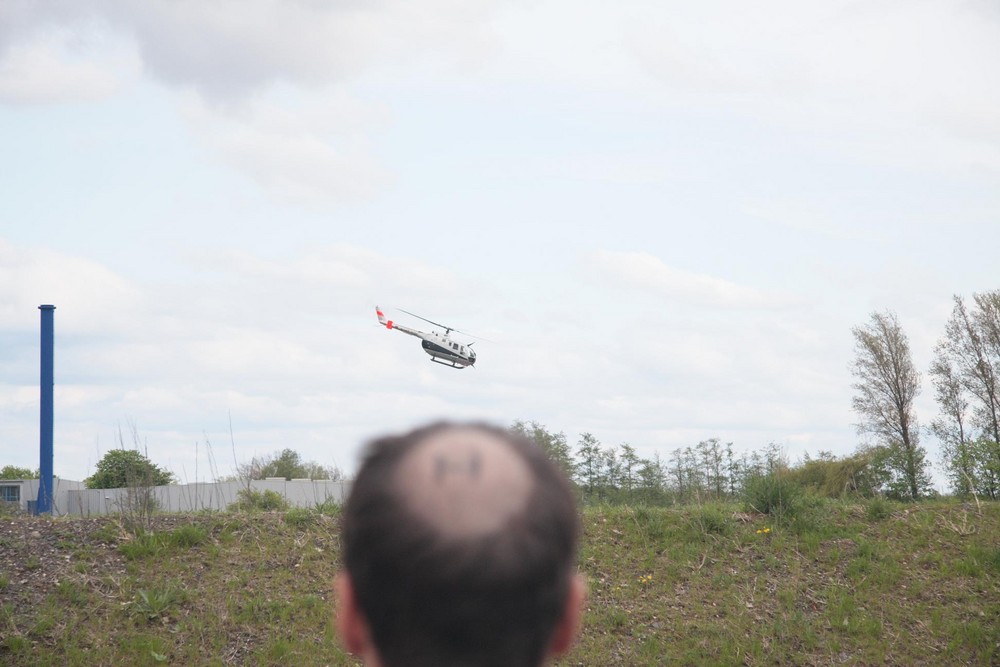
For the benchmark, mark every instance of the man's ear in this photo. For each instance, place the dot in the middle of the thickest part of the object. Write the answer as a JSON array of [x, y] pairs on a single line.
[[568, 627], [351, 624]]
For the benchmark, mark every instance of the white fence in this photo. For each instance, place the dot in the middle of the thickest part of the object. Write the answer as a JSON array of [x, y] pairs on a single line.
[[207, 496]]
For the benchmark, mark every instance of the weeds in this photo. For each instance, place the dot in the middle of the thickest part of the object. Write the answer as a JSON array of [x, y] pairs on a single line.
[[774, 495], [136, 503], [9, 510], [329, 507], [250, 500], [300, 517], [710, 520], [17, 645], [651, 523], [878, 509], [72, 593], [157, 602], [145, 545], [186, 536]]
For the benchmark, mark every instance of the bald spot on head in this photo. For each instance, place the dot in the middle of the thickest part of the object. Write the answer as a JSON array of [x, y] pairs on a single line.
[[464, 482]]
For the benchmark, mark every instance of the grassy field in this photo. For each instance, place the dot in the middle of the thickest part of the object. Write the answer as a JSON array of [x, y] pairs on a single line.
[[837, 584]]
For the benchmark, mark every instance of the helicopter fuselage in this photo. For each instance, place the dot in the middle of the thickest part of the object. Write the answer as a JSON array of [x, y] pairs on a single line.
[[445, 351]]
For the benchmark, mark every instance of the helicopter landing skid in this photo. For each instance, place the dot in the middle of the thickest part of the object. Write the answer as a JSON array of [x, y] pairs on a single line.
[[452, 364]]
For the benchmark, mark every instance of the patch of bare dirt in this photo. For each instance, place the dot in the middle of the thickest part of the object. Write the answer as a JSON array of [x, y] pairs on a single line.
[[37, 553]]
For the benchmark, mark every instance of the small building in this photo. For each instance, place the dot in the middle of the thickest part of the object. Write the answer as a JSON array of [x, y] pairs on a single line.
[[24, 494]]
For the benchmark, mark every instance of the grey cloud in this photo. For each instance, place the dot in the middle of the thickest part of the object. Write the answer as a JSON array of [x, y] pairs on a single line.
[[229, 49]]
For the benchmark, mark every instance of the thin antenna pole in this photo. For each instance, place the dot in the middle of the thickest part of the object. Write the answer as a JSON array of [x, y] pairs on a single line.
[[47, 382]]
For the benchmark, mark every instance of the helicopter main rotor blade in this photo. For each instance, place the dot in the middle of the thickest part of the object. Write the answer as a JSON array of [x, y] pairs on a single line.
[[437, 324], [427, 320]]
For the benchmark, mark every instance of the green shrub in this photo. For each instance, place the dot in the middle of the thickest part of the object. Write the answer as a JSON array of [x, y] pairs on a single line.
[[249, 500], [809, 514], [992, 559], [156, 602], [652, 523], [878, 509], [986, 558], [127, 468], [187, 536], [773, 494], [300, 517], [72, 593], [831, 477], [711, 520], [143, 546], [328, 507], [17, 645]]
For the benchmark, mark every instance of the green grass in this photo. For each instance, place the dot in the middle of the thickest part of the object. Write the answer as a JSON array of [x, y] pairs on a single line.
[[824, 583]]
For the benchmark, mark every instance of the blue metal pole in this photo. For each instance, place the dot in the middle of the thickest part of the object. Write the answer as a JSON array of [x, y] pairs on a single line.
[[44, 503]]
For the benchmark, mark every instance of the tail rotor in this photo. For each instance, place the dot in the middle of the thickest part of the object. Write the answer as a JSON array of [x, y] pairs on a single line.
[[382, 319]]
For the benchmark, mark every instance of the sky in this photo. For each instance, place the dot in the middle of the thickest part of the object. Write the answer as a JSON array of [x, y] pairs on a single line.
[[663, 219]]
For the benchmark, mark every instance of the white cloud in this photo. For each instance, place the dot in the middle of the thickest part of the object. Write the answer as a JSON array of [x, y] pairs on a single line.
[[308, 153], [46, 70], [890, 81], [88, 296], [245, 59], [897, 52], [642, 271]]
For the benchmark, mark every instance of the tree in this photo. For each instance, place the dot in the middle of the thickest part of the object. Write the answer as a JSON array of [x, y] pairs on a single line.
[[711, 461], [588, 468], [14, 472], [610, 474], [653, 480], [679, 474], [887, 384], [287, 464], [629, 467], [553, 444], [732, 469], [970, 352], [951, 426], [121, 468]]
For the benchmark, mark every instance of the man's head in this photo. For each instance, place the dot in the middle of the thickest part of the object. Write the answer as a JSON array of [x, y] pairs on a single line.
[[460, 547]]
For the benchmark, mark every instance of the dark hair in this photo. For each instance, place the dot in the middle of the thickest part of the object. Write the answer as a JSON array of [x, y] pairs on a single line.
[[433, 600]]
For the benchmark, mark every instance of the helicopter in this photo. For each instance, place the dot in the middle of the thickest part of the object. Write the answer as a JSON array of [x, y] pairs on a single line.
[[441, 347]]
